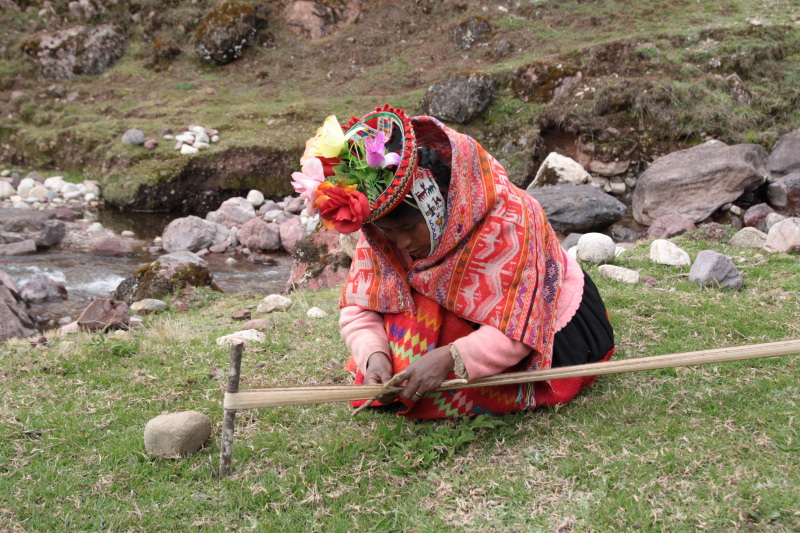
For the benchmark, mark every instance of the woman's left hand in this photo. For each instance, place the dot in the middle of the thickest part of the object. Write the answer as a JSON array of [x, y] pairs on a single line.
[[427, 373]]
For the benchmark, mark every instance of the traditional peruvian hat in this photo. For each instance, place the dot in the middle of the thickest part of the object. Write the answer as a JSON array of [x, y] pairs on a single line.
[[390, 121]]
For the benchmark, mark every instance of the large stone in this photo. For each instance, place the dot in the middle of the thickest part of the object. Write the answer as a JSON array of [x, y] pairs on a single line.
[[104, 314], [260, 236], [785, 157], [557, 169], [543, 82], [225, 32], [668, 253], [6, 190], [749, 238], [668, 226], [578, 208], [41, 226], [112, 247], [596, 248], [176, 434], [164, 276], [785, 193], [318, 262], [469, 32], [28, 246], [695, 182], [232, 212], [617, 273], [148, 305], [274, 302], [77, 51], [756, 216], [291, 232], [713, 269], [189, 233], [16, 318], [784, 236], [134, 136], [42, 288], [256, 198], [460, 98]]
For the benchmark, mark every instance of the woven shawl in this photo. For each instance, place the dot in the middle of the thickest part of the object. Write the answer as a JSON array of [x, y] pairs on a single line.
[[498, 262]]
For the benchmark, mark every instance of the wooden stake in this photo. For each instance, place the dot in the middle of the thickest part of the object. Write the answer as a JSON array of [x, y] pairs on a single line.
[[226, 440], [280, 397]]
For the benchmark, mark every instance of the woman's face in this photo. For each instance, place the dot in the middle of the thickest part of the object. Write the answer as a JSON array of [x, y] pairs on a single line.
[[410, 235]]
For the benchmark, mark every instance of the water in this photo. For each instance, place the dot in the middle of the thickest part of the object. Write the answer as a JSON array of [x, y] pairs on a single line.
[[87, 276]]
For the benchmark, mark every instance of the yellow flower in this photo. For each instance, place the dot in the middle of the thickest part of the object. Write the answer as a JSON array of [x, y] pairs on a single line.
[[328, 142]]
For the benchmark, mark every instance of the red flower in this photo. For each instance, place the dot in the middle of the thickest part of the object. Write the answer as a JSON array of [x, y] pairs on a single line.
[[328, 163], [345, 210]]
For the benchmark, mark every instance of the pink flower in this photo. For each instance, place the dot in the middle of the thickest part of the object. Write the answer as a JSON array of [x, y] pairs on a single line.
[[306, 182], [375, 147]]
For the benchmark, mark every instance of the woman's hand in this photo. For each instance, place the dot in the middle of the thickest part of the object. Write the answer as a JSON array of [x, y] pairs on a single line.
[[427, 373], [379, 369]]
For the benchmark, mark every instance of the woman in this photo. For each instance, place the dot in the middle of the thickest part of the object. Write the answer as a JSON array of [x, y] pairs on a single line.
[[457, 272]]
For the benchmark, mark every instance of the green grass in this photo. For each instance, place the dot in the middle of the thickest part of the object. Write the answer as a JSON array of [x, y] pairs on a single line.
[[683, 449]]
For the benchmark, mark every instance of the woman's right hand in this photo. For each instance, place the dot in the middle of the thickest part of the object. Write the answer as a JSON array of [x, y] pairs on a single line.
[[379, 369]]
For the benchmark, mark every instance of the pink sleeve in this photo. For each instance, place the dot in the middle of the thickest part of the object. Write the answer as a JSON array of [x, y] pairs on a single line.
[[363, 333], [487, 352]]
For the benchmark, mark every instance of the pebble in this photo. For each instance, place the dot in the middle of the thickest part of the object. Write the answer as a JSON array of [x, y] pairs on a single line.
[[316, 312], [274, 302], [230, 261], [127, 233], [186, 149], [247, 337], [95, 227]]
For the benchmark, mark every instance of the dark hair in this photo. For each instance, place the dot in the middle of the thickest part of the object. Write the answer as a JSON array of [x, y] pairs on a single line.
[[427, 158]]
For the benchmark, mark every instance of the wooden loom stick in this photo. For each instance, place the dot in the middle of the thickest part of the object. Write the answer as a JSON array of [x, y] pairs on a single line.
[[226, 440], [286, 396]]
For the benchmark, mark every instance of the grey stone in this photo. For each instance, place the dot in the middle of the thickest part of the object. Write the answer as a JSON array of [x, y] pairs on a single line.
[[148, 305], [668, 253], [134, 137], [232, 212], [596, 248], [104, 314], [112, 247], [756, 216], [713, 269], [469, 32], [571, 240], [42, 288], [16, 318], [176, 434], [460, 98], [189, 233], [785, 157], [247, 337], [225, 32], [578, 208], [274, 302], [749, 238], [772, 219], [309, 20], [668, 226], [292, 231], [784, 236], [696, 182], [27, 246], [617, 273], [785, 193], [260, 236]]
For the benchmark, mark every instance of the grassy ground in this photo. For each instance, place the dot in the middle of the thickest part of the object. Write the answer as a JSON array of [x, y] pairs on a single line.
[[712, 448]]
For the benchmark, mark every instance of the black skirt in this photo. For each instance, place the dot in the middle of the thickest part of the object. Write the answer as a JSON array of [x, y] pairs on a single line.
[[588, 337]]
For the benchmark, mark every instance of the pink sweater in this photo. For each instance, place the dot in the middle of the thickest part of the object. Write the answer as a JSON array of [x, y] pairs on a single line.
[[485, 352]]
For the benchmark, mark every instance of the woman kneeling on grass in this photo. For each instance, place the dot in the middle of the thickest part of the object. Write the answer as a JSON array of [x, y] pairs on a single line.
[[457, 273]]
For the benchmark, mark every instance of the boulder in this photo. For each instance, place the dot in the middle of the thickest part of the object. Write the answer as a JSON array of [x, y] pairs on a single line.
[[785, 193], [42, 288], [749, 238], [6, 190], [596, 248], [543, 82], [695, 182], [318, 262], [16, 318], [459, 98], [164, 276], [668, 226], [112, 247], [176, 434], [784, 236], [617, 273], [309, 20], [134, 137], [225, 32], [291, 232], [104, 314], [578, 208], [666, 252], [469, 32], [260, 236], [785, 157], [713, 269], [557, 169], [232, 212], [274, 302], [756, 216], [41, 226], [188, 233], [27, 246], [77, 51]]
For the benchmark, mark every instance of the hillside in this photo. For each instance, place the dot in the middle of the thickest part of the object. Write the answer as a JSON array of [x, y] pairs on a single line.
[[654, 77]]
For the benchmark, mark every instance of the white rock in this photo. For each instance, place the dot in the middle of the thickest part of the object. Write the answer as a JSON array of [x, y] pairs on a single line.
[[55, 183], [6, 190], [90, 197], [201, 137], [168, 137], [197, 130], [230, 261], [185, 138], [95, 227], [91, 188], [72, 194], [25, 186], [20, 205], [69, 187], [215, 138], [556, 169], [596, 248], [619, 250], [316, 312], [274, 302], [201, 145], [573, 251], [773, 218], [14, 198], [246, 336], [186, 149], [666, 252], [617, 273], [5, 173], [149, 305], [255, 197], [128, 234], [175, 434], [157, 240], [736, 210]]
